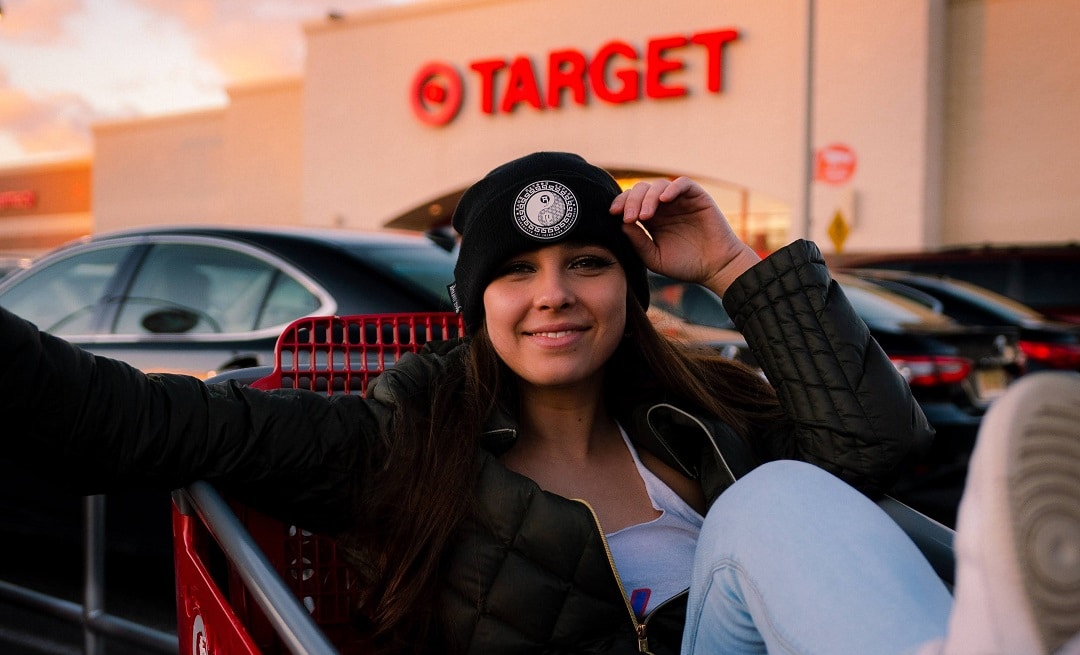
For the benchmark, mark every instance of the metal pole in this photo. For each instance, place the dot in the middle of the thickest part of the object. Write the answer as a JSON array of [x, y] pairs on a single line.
[[96, 624], [93, 573], [808, 125]]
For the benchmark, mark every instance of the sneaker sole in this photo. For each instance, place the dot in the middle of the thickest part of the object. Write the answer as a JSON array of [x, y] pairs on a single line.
[[1044, 499]]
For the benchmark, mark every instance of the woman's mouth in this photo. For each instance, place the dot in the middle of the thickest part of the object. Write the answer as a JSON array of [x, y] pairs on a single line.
[[556, 335], [552, 335]]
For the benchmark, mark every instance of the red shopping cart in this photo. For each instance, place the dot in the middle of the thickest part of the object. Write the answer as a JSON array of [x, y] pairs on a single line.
[[225, 603]]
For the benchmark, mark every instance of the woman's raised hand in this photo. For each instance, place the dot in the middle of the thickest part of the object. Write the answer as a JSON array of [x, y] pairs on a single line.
[[690, 238]]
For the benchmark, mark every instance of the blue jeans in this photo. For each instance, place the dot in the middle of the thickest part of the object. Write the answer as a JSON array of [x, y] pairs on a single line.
[[793, 560]]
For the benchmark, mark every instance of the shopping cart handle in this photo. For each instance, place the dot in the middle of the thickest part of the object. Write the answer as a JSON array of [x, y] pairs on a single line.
[[932, 538], [289, 618]]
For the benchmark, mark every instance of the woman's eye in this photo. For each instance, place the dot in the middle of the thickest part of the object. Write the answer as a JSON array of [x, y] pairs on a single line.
[[514, 268], [591, 262]]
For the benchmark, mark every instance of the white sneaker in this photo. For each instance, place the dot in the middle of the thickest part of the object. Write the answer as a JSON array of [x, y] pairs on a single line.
[[1018, 526]]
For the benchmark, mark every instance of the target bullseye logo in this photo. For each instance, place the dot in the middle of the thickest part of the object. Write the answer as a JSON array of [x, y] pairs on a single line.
[[437, 92]]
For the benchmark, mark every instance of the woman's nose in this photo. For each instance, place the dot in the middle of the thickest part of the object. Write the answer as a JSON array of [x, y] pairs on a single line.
[[552, 290]]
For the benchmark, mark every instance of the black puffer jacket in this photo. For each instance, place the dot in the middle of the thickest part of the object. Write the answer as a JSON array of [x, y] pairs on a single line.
[[533, 576]]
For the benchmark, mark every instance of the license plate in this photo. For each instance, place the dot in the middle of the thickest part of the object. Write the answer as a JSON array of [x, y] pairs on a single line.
[[990, 383]]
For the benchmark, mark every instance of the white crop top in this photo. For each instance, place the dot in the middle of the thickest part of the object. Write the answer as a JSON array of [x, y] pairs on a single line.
[[654, 559]]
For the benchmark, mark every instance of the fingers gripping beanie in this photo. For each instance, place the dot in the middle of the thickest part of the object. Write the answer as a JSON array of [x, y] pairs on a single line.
[[535, 201]]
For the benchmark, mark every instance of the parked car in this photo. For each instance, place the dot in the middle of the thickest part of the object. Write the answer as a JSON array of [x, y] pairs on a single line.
[[952, 368], [1043, 277], [1045, 343], [203, 300], [955, 373]]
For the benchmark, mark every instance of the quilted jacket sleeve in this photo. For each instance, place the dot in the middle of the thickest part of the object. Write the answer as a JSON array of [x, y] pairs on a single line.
[[851, 411], [93, 425]]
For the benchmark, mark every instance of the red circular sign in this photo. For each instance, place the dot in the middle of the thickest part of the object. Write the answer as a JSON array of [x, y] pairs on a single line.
[[834, 164], [437, 90]]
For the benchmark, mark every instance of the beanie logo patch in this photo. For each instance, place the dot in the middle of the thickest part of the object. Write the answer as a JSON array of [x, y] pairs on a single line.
[[546, 210]]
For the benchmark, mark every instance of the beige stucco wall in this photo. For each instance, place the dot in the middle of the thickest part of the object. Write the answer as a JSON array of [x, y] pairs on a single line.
[[263, 153], [160, 171], [1014, 116], [240, 164]]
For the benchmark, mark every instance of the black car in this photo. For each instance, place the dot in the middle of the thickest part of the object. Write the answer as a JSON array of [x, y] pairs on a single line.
[[1045, 277], [955, 371], [203, 300], [1046, 344]]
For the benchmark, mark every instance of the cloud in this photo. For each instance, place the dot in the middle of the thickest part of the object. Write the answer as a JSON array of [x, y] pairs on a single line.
[[252, 39], [120, 59], [65, 64], [38, 22], [42, 126]]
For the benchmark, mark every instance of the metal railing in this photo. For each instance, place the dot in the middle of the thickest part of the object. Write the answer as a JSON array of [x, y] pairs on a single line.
[[934, 540], [96, 623], [284, 611]]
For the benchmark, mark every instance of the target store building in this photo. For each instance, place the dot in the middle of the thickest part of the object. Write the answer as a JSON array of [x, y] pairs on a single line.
[[866, 126]]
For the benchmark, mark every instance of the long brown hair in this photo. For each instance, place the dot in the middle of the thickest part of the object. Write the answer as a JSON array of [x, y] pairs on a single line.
[[696, 375], [420, 484], [415, 491]]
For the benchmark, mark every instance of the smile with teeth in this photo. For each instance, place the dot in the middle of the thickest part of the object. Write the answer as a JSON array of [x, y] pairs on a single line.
[[552, 335]]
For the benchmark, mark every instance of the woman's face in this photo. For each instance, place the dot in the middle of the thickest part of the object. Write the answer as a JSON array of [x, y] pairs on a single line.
[[555, 315]]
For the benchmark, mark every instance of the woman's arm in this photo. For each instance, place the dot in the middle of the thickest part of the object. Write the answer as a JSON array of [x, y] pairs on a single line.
[[95, 425], [853, 413]]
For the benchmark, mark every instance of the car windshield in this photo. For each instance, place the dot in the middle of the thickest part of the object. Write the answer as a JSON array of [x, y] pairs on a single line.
[[692, 303], [984, 299], [427, 270]]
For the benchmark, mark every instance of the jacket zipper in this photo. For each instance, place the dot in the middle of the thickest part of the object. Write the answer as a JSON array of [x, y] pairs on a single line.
[[639, 626], [664, 604]]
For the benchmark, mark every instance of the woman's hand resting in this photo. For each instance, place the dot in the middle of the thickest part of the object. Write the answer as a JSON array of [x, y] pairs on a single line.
[[690, 238]]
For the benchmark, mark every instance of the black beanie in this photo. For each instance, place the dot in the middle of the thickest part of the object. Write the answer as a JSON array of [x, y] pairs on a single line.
[[536, 201]]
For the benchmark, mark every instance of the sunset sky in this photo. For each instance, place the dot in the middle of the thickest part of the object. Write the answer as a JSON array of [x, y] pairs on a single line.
[[67, 64]]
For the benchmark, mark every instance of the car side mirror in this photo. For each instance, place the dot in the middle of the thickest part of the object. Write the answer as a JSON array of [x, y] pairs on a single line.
[[170, 321]]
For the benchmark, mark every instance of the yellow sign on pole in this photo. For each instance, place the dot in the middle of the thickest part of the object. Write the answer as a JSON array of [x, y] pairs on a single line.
[[839, 230]]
